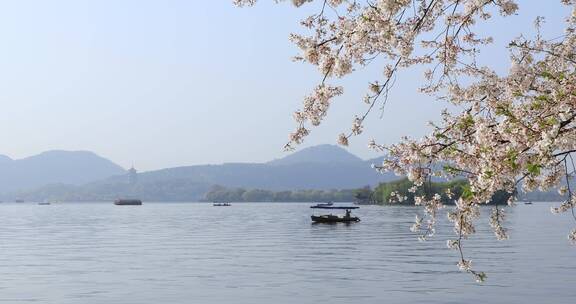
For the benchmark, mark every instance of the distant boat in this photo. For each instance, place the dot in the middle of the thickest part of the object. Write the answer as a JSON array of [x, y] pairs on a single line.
[[19, 201], [319, 206], [221, 204], [44, 203], [527, 203], [324, 204], [127, 202]]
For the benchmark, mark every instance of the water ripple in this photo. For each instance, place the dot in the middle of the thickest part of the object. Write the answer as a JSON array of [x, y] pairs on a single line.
[[269, 253]]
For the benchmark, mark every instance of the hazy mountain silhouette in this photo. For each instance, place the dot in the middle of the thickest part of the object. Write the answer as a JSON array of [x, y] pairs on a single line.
[[318, 154], [67, 167], [69, 176], [321, 167]]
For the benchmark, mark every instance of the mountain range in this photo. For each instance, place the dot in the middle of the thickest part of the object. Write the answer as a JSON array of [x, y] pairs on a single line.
[[66, 167], [319, 167]]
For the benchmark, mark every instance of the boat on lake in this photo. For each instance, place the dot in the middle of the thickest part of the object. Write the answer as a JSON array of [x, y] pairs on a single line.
[[44, 203], [221, 204], [127, 202], [324, 204], [331, 218]]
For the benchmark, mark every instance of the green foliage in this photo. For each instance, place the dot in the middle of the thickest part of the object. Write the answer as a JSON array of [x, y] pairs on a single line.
[[459, 188], [467, 122], [533, 169], [511, 159], [467, 192]]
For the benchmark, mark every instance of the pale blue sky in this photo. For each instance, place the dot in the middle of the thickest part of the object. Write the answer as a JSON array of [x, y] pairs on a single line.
[[163, 83]]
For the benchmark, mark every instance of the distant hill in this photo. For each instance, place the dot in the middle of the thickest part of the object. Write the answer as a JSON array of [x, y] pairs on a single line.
[[305, 169], [270, 177], [84, 176], [322, 167], [65, 167], [318, 154]]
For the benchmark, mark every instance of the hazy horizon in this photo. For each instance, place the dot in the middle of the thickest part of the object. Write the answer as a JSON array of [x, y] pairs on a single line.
[[172, 83]]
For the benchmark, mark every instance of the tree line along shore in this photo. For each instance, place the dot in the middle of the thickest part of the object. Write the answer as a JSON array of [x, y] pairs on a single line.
[[384, 193]]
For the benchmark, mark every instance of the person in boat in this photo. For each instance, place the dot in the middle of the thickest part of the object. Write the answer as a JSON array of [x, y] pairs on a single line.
[[347, 214]]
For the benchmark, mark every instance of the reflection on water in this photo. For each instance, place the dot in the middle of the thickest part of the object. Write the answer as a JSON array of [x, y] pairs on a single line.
[[270, 253]]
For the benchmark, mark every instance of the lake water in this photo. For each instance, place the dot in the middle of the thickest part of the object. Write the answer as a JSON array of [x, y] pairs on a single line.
[[270, 253]]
